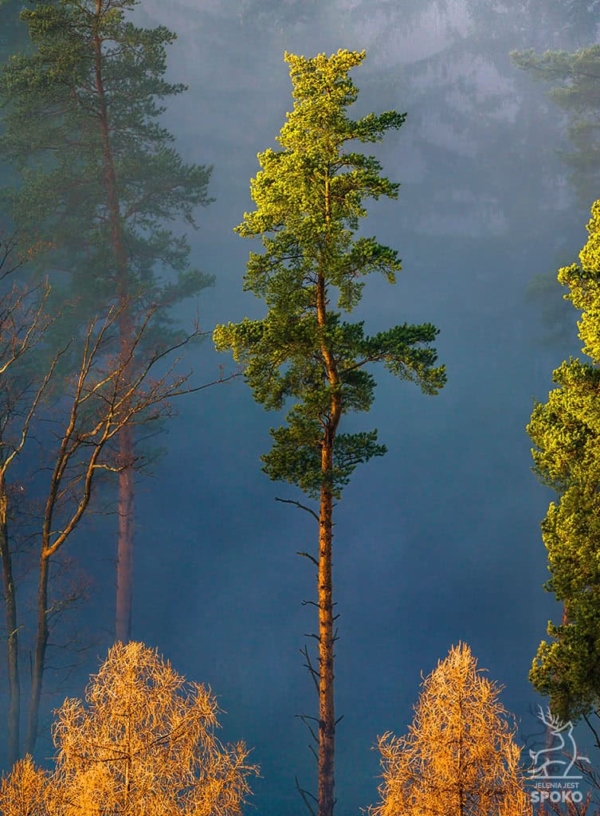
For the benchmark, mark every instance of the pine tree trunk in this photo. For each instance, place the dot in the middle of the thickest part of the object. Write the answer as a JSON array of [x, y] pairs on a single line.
[[12, 643], [326, 781], [126, 438]]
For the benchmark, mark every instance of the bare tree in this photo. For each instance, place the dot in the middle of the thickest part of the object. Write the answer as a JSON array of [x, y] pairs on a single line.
[[108, 393], [79, 422], [23, 323], [460, 757]]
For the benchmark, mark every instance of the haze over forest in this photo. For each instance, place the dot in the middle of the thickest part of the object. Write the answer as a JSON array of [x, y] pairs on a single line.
[[438, 542]]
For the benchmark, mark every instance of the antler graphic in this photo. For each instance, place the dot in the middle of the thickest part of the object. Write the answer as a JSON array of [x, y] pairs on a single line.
[[550, 721]]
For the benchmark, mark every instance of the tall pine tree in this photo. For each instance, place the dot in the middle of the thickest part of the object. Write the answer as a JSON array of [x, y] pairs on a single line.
[[309, 199], [574, 85]]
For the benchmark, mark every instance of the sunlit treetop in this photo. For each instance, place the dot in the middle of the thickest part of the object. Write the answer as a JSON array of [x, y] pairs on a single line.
[[460, 754], [314, 190], [142, 741], [310, 196], [566, 433]]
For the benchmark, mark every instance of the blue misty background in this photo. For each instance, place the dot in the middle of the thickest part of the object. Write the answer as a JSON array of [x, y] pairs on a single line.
[[438, 542]]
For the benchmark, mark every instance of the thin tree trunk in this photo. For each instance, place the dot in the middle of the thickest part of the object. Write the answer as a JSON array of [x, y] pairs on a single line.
[[326, 781], [39, 656], [126, 437], [326, 758], [125, 547], [12, 643], [51, 539]]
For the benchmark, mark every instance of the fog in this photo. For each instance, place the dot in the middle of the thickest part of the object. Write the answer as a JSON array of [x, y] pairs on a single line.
[[439, 541]]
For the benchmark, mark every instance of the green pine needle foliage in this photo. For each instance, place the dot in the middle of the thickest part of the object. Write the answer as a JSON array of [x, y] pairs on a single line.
[[51, 112], [310, 197], [566, 433]]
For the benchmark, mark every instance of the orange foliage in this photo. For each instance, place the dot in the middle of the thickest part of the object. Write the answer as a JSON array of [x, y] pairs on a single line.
[[460, 757], [143, 744]]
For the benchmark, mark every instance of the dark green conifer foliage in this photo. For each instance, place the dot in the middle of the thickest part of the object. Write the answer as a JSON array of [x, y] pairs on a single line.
[[13, 39], [92, 68], [309, 199], [566, 433]]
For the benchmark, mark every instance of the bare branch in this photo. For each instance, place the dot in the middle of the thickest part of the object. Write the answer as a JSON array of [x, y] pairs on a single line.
[[305, 794], [311, 669], [593, 730], [315, 562], [299, 505]]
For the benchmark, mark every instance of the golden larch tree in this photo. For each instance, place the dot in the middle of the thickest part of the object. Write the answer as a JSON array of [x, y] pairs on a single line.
[[143, 742], [23, 791], [460, 757]]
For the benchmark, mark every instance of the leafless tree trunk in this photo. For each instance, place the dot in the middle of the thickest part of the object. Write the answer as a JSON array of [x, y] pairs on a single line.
[[107, 397], [12, 632], [22, 325]]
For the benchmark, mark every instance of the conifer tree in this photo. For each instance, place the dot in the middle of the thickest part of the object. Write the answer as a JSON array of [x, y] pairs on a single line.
[[13, 32], [13, 39], [566, 433], [459, 757], [309, 200], [100, 177], [142, 742]]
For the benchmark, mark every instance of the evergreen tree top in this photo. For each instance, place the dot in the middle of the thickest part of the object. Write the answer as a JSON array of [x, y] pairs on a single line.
[[309, 198], [84, 104]]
